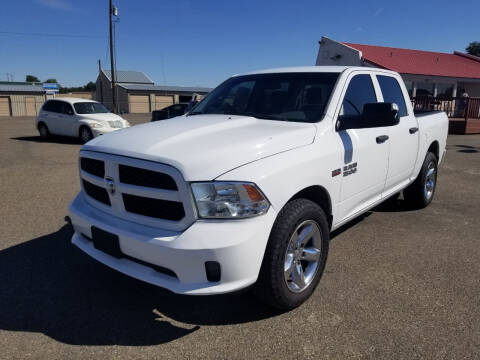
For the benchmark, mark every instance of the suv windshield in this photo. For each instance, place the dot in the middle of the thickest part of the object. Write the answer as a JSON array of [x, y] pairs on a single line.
[[90, 108], [300, 97]]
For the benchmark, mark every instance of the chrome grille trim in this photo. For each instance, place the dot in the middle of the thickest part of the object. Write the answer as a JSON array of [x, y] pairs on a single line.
[[117, 208]]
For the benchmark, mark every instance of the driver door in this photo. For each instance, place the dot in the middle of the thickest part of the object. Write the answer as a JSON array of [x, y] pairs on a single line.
[[365, 151]]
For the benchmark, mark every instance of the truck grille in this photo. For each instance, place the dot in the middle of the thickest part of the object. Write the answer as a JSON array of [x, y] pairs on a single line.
[[160, 209], [137, 190], [93, 166], [96, 192], [143, 177]]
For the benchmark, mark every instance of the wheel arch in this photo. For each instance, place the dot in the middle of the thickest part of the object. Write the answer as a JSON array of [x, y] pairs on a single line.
[[81, 126], [319, 195], [434, 148]]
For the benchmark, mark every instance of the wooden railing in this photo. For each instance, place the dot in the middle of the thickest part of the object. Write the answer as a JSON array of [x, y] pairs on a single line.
[[458, 107]]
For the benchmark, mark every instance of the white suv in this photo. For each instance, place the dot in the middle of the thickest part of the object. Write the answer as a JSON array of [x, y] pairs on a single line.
[[81, 118]]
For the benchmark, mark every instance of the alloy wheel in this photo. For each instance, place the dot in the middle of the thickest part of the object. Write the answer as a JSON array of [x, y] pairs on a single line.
[[302, 256], [430, 180]]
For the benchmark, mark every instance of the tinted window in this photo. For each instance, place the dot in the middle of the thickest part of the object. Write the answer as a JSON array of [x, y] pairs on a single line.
[[66, 108], [424, 89], [298, 97], [392, 93], [48, 106], [55, 106], [444, 91], [360, 91]]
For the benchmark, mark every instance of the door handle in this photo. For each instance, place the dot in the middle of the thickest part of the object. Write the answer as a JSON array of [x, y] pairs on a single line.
[[381, 139], [413, 130]]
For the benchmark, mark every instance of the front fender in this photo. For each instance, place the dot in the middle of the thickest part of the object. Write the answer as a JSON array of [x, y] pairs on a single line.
[[282, 176]]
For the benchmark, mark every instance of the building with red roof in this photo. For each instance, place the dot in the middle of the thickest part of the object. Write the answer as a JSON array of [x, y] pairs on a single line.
[[426, 73]]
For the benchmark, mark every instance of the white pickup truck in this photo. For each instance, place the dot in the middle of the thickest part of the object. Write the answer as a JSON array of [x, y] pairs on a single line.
[[245, 189]]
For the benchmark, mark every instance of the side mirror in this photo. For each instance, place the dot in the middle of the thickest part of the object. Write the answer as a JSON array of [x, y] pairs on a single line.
[[373, 115]]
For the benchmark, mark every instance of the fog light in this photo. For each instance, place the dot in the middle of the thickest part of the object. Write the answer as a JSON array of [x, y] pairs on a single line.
[[212, 268]]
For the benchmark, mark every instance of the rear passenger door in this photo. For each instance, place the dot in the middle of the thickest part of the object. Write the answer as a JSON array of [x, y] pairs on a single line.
[[51, 116], [364, 162], [404, 137]]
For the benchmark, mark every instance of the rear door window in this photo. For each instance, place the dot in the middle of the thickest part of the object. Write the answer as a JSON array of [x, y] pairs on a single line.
[[56, 106], [392, 93], [48, 106]]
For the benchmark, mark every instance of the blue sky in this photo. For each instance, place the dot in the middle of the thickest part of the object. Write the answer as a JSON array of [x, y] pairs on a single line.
[[183, 42]]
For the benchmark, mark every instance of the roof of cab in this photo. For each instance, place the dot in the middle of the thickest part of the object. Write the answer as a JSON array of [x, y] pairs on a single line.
[[73, 100], [316, 68]]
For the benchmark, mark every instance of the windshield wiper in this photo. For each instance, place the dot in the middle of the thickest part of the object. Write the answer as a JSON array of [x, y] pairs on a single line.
[[262, 116], [196, 113]]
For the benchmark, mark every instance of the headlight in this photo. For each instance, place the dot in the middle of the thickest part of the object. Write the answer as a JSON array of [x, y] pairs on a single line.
[[96, 125], [229, 200], [127, 124]]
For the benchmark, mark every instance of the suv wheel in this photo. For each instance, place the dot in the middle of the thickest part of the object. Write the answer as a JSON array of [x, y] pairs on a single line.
[[43, 131], [296, 255], [85, 134], [420, 193]]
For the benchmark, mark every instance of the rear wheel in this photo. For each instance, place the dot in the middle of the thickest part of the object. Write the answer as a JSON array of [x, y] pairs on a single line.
[[296, 255], [43, 131], [420, 193], [85, 134]]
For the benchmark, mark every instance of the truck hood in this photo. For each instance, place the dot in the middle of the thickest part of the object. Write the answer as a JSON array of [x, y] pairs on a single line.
[[100, 117], [203, 147]]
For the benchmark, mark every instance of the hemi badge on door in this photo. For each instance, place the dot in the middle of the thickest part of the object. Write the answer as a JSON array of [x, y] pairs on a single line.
[[336, 172]]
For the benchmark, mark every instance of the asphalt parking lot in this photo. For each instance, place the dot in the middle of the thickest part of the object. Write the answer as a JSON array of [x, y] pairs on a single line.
[[398, 283]]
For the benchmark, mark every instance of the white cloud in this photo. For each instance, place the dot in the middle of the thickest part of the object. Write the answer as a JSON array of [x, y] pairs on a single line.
[[56, 4], [378, 11]]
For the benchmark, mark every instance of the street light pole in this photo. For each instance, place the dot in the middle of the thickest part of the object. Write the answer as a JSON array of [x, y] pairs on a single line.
[[112, 61]]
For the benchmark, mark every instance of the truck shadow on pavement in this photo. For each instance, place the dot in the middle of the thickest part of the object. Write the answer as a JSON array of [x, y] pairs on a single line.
[[49, 286], [52, 140]]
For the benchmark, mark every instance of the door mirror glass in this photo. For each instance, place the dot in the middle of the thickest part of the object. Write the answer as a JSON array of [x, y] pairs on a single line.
[[373, 115]]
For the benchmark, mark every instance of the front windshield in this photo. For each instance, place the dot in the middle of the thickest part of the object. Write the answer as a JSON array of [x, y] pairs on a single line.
[[90, 108], [300, 97]]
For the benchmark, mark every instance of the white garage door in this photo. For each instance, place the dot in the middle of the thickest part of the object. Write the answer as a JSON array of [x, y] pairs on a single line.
[[139, 104], [4, 106], [30, 107], [162, 101]]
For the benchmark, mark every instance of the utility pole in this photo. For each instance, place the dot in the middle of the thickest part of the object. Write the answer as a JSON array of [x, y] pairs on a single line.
[[112, 61]]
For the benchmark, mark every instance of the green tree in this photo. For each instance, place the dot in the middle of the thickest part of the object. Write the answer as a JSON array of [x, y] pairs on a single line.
[[473, 48], [91, 86], [31, 78], [51, 81]]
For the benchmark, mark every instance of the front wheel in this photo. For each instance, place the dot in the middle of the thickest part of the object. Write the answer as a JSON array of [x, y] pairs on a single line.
[[296, 255], [85, 134], [420, 193]]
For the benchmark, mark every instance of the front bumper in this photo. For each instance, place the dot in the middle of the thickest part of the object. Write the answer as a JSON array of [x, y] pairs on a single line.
[[237, 245]]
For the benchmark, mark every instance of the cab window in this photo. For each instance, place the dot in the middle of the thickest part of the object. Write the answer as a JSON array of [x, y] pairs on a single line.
[[360, 91]]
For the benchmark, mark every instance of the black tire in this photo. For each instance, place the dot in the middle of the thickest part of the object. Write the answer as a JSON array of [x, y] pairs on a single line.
[[85, 134], [43, 130], [420, 193], [271, 286]]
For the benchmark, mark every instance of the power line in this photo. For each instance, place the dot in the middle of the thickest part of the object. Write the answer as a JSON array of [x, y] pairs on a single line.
[[50, 35]]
